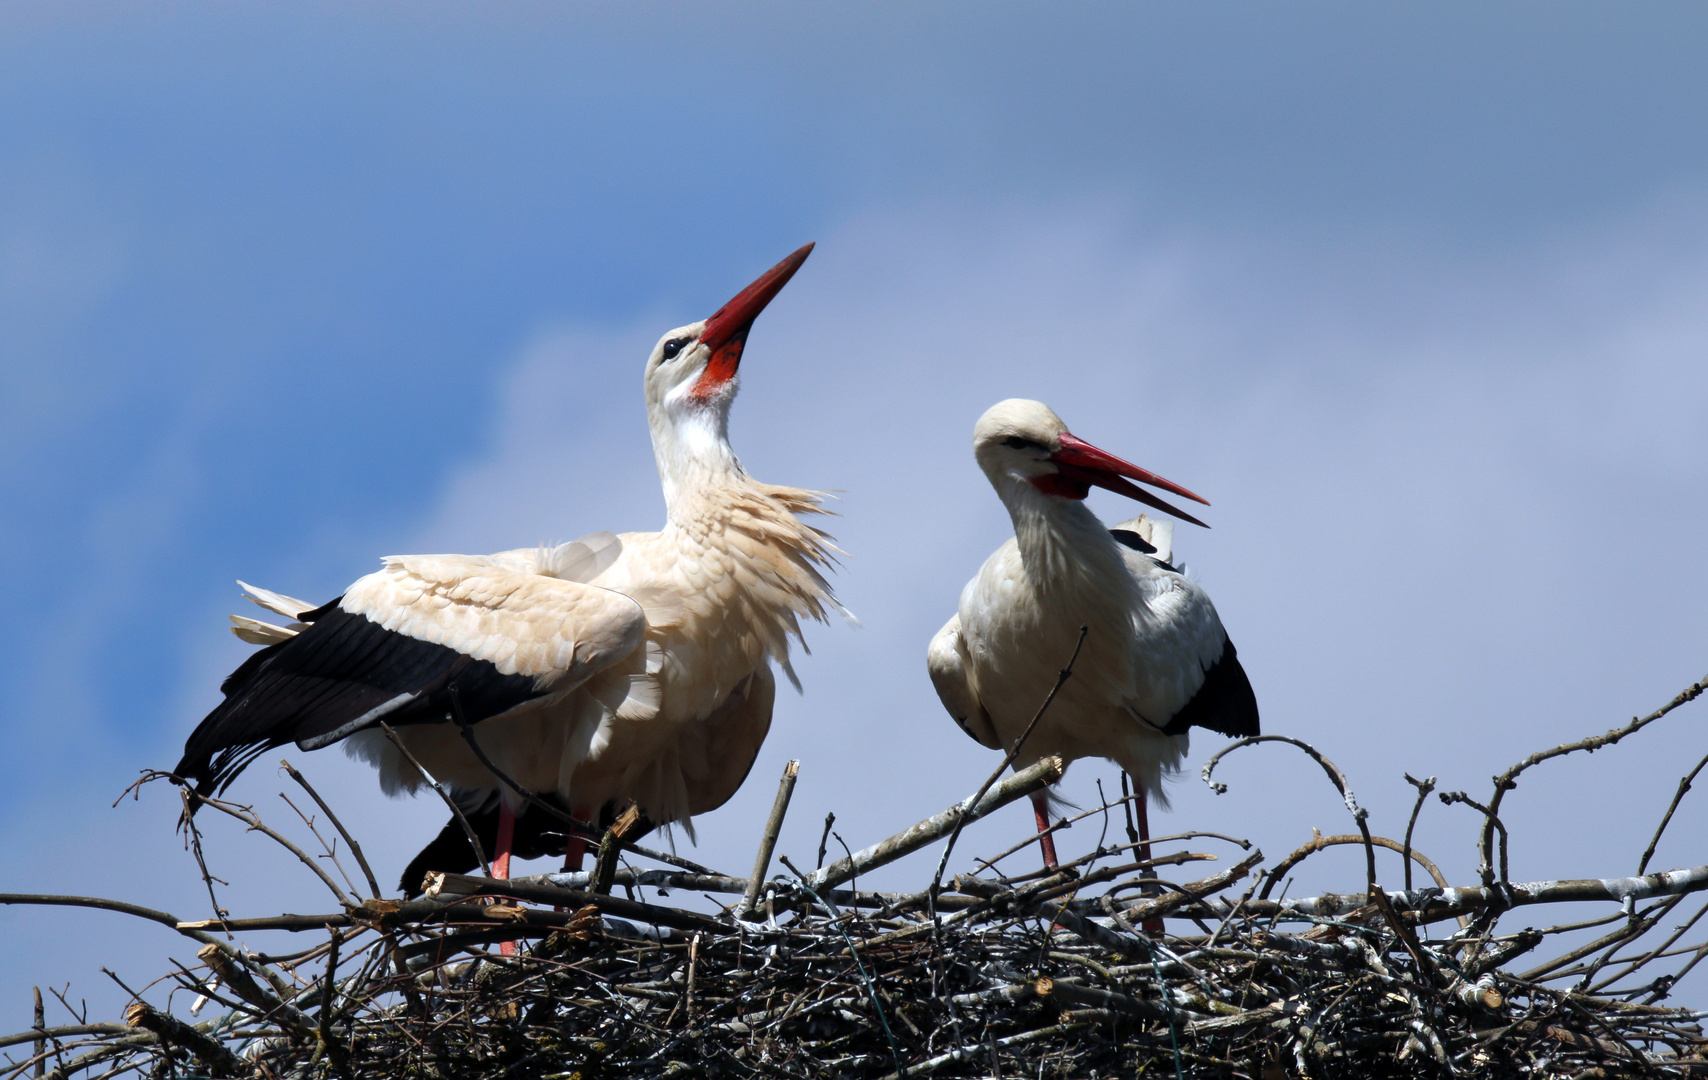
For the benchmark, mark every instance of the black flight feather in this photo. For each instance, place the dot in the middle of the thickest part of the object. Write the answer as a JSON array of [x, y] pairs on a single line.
[[340, 667], [1225, 703]]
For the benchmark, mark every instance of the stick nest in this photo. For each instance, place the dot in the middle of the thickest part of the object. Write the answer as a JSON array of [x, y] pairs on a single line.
[[1104, 967]]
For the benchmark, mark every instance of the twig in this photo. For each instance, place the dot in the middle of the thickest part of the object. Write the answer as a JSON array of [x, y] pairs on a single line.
[[1023, 783], [1319, 843], [170, 1029], [1360, 816], [1335, 776], [39, 1021], [1167, 903], [461, 885], [328, 1000], [611, 846], [824, 839], [1448, 798], [1433, 904], [768, 840], [39, 1034], [1508, 780], [1424, 787], [456, 811], [237, 979], [467, 731], [1683, 786], [355, 848], [254, 822], [331, 851], [1658, 951], [193, 839]]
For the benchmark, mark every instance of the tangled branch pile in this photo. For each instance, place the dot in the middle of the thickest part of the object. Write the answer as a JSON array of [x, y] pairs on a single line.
[[1066, 972]]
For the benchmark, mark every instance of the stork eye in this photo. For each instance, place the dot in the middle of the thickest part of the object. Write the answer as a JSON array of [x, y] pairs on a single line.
[[1015, 442], [674, 346]]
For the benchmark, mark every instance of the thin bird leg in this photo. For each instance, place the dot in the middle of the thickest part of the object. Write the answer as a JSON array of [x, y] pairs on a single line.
[[1041, 810], [1141, 803], [501, 861], [577, 846], [506, 838], [1143, 852]]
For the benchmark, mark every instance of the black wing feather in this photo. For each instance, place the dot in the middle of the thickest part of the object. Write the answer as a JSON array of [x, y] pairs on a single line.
[[536, 833], [1225, 703], [339, 667], [1130, 539]]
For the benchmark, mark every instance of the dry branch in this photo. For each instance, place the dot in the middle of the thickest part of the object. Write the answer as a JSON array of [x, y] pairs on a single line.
[[1023, 783], [1508, 780], [768, 840], [173, 1031]]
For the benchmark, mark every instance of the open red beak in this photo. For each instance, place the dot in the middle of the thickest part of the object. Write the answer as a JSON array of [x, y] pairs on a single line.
[[1080, 462], [726, 331]]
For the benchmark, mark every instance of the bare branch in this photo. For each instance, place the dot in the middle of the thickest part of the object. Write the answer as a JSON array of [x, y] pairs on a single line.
[[1678, 796], [445, 796], [1508, 780], [355, 848], [768, 839], [1021, 784]]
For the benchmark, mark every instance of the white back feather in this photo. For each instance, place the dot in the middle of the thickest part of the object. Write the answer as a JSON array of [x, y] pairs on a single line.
[[583, 559], [1158, 534], [288, 606]]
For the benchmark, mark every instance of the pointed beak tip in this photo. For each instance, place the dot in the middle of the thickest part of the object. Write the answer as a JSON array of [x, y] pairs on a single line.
[[1108, 471], [736, 316]]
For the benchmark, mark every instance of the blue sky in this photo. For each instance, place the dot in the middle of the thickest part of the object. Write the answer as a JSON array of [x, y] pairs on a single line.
[[1417, 295]]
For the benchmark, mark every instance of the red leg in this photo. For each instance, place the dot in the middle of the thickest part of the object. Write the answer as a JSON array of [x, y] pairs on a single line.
[[1041, 810], [577, 846], [501, 859], [506, 836], [1143, 851]]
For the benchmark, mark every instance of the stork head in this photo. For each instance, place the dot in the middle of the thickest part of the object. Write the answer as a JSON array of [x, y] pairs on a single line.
[[691, 377], [1019, 442]]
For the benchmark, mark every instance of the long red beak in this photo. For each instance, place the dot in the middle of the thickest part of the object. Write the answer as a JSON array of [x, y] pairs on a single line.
[[1080, 462], [726, 331]]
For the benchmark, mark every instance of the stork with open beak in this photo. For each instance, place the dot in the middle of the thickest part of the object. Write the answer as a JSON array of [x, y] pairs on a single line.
[[610, 669], [1155, 660]]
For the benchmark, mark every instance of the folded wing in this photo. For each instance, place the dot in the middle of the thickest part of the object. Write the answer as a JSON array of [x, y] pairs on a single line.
[[1184, 631], [397, 645], [952, 676]]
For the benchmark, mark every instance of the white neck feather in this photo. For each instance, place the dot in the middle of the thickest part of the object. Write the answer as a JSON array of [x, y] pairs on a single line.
[[1062, 543], [691, 444]]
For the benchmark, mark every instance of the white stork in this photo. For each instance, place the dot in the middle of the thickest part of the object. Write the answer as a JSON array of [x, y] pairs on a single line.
[[1155, 660], [612, 668]]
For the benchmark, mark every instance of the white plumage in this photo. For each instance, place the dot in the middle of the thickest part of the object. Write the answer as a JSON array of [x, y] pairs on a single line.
[[609, 668], [1155, 660]]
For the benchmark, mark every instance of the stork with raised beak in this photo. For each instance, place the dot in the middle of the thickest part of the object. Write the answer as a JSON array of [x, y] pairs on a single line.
[[608, 670], [1155, 660]]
